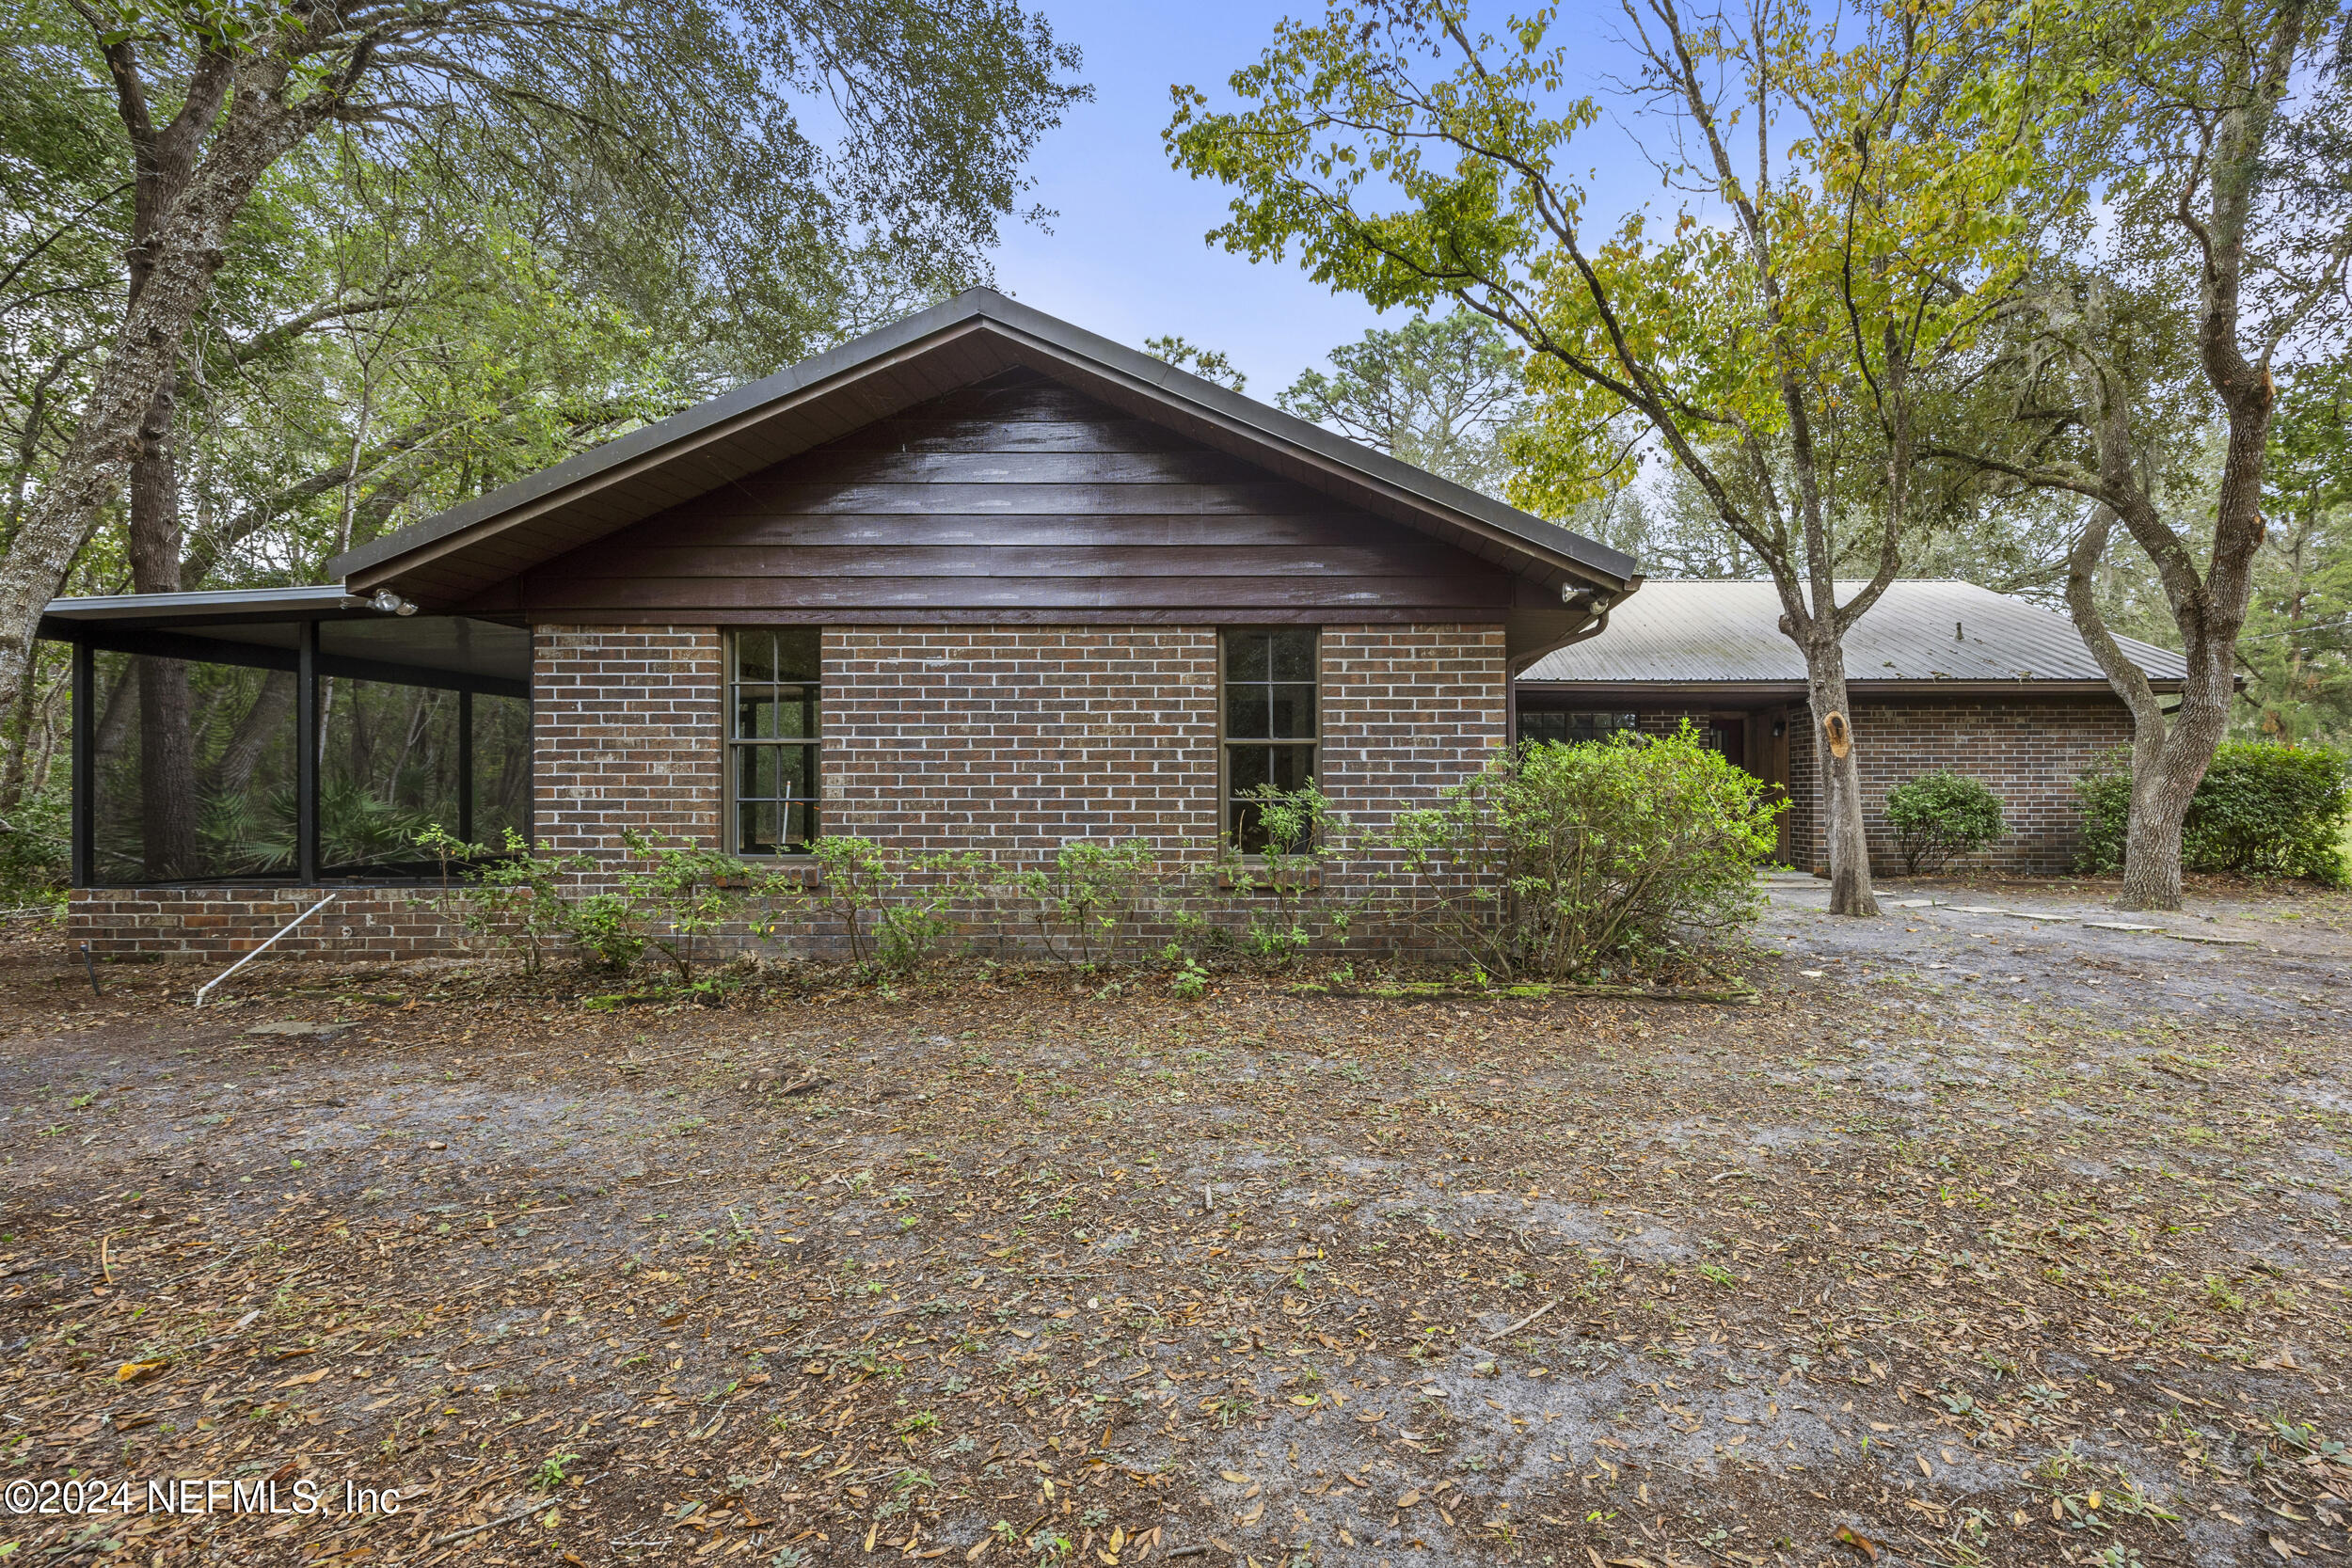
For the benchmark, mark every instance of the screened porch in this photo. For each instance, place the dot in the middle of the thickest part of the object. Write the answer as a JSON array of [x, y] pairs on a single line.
[[289, 736]]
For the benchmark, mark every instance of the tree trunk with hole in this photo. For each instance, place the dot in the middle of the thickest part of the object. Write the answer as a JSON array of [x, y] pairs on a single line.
[[1844, 835]]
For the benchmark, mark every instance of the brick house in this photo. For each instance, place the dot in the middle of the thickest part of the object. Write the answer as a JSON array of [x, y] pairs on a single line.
[[1941, 675], [978, 580]]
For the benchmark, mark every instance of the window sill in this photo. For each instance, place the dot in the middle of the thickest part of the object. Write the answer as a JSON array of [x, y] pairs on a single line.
[[1254, 875], [797, 869]]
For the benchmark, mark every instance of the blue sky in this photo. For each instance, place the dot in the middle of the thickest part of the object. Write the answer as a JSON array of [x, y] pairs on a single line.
[[1126, 256]]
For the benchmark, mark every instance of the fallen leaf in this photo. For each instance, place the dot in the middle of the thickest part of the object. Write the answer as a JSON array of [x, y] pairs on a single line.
[[1848, 1536], [133, 1371]]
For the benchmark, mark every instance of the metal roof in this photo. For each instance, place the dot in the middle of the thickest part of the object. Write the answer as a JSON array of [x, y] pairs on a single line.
[[1928, 631], [217, 604], [444, 559]]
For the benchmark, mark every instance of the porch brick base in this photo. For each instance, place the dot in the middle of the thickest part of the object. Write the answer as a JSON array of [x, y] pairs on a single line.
[[201, 924]]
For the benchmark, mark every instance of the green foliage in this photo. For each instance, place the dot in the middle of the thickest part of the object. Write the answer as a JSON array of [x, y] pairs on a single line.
[[1940, 817], [1210, 364], [2273, 809], [1557, 859], [36, 847], [2298, 642], [890, 907], [1284, 883], [677, 899], [1083, 900], [1441, 392], [515, 894]]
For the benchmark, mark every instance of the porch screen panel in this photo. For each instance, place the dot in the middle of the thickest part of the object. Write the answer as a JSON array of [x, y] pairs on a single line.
[[774, 739], [192, 770], [501, 769], [388, 771]]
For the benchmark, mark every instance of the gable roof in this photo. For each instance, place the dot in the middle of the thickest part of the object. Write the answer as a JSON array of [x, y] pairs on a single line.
[[1922, 631], [979, 332]]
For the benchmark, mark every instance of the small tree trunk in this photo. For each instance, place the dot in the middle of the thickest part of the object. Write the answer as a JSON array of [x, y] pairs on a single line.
[[166, 738], [2151, 840], [1842, 827]]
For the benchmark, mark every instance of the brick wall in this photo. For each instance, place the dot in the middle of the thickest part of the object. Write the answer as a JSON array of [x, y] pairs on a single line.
[[215, 924], [624, 734], [1009, 740], [2029, 754], [1406, 711], [1014, 739]]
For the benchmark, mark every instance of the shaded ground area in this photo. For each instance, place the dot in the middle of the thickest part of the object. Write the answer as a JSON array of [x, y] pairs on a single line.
[[1989, 1239]]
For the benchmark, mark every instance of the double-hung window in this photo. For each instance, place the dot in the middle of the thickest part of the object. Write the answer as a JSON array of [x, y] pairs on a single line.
[[774, 745], [1270, 731]]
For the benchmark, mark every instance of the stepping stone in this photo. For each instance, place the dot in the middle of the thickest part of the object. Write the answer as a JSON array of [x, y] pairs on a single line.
[[1912, 904], [303, 1030], [2213, 942], [2118, 925], [2033, 914], [1981, 909]]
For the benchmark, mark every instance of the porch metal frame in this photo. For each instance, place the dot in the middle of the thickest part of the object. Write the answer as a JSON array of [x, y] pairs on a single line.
[[307, 663]]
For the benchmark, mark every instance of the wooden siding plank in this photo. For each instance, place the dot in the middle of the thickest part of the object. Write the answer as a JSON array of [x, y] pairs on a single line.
[[1075, 592], [988, 557], [1262, 530]]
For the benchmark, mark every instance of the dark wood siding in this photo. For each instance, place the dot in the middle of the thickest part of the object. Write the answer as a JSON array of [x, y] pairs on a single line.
[[1014, 499]]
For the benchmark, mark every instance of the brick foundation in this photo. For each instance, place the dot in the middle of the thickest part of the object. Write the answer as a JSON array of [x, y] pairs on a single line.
[[218, 924]]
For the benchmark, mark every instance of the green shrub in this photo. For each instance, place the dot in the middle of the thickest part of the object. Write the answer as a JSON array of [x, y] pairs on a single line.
[[1940, 817], [1556, 858], [1083, 900], [36, 850], [1289, 908], [513, 896], [2274, 810]]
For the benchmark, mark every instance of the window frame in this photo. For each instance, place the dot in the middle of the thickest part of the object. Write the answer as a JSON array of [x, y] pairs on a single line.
[[1225, 742], [731, 745]]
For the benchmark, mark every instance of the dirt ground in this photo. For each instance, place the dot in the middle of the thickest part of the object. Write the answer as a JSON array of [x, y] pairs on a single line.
[[1984, 1236]]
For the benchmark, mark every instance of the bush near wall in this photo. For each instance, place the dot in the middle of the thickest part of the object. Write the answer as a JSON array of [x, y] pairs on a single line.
[[1557, 860], [2272, 810], [1940, 817]]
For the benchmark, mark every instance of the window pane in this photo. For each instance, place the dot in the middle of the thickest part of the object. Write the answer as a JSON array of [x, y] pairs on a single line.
[[1247, 713], [1293, 765], [1543, 727], [798, 765], [1246, 655], [755, 774], [776, 712], [1247, 767], [1293, 714], [800, 653], [1294, 655]]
